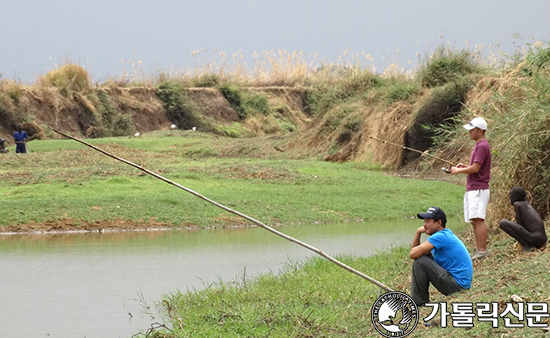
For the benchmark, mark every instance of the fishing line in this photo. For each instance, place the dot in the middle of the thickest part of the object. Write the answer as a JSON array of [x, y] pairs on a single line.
[[423, 153]]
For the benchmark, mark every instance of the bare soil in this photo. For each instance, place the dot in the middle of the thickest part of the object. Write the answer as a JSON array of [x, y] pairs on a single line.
[[69, 225]]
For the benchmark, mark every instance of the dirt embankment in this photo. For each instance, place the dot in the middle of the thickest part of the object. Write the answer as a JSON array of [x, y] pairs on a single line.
[[341, 134], [104, 111]]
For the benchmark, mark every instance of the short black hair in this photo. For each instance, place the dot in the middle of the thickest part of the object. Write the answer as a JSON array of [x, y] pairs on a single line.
[[517, 194]]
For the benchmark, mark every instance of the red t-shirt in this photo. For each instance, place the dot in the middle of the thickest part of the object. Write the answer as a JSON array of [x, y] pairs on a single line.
[[481, 155]]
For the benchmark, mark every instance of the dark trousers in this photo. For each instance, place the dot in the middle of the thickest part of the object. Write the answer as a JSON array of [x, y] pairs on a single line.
[[522, 235], [20, 148], [425, 271]]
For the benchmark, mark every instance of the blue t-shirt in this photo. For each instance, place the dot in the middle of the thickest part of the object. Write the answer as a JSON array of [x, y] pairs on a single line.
[[451, 254], [20, 136]]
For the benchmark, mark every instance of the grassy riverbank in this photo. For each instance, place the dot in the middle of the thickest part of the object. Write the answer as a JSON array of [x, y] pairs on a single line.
[[60, 185], [319, 299]]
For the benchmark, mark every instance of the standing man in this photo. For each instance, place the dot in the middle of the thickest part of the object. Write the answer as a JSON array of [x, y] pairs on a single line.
[[476, 197], [20, 137], [442, 259]]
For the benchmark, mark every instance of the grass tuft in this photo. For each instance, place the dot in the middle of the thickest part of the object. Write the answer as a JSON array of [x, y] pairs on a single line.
[[69, 78], [448, 65], [180, 109]]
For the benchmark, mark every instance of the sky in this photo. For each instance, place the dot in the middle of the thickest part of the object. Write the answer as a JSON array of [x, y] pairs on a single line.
[[37, 35]]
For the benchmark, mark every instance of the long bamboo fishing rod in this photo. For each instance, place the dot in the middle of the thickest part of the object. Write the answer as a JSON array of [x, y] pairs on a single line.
[[266, 227], [415, 150]]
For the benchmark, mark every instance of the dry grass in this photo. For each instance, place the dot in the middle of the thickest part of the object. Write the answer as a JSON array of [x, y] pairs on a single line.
[[68, 78]]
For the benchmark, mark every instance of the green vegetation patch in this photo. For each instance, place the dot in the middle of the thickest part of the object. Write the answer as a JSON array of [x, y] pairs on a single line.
[[233, 95], [447, 65], [235, 130], [256, 103], [180, 109], [82, 184]]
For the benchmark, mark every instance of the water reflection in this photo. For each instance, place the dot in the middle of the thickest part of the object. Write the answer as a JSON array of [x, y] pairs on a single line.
[[106, 284]]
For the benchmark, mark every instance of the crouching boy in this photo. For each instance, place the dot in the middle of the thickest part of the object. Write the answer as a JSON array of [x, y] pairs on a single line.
[[529, 229]]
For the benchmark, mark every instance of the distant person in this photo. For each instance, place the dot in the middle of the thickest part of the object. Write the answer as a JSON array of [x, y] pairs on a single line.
[[477, 194], [20, 138], [442, 259], [529, 229]]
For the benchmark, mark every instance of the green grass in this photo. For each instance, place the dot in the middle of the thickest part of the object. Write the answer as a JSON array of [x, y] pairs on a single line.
[[59, 179], [318, 299], [314, 299]]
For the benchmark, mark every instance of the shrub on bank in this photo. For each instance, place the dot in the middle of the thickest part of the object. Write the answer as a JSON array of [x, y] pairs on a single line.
[[256, 103], [447, 65], [68, 79], [118, 123], [245, 104], [233, 96], [353, 82], [206, 80], [180, 109]]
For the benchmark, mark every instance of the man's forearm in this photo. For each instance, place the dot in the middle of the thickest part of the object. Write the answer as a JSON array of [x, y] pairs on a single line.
[[416, 239], [468, 170]]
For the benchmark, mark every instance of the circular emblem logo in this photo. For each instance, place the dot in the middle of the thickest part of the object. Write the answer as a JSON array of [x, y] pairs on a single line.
[[394, 314]]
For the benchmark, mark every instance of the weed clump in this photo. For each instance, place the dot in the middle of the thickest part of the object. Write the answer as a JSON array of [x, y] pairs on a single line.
[[233, 96], [206, 80], [180, 109], [235, 130], [402, 91], [537, 59], [256, 103], [245, 104], [353, 82], [447, 65], [112, 118], [68, 79]]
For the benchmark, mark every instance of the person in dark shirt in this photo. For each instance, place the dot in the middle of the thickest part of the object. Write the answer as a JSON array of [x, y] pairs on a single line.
[[529, 230], [20, 138]]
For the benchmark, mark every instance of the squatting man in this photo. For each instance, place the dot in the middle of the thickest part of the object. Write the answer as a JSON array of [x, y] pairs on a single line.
[[529, 227], [442, 259]]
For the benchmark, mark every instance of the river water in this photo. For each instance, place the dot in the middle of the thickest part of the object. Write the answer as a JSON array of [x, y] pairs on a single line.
[[108, 284]]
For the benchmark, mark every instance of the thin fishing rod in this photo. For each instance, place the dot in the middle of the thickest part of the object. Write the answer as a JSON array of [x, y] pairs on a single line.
[[415, 150], [266, 227]]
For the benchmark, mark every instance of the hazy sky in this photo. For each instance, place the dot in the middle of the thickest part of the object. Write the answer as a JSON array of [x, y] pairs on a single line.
[[98, 34]]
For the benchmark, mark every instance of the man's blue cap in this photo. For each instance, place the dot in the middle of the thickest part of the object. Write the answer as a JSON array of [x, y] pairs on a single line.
[[434, 213]]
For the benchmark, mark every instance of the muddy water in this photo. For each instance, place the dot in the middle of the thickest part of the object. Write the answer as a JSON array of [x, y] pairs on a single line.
[[108, 284]]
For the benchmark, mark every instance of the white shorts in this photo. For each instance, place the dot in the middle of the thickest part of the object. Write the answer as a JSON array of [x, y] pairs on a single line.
[[475, 204]]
